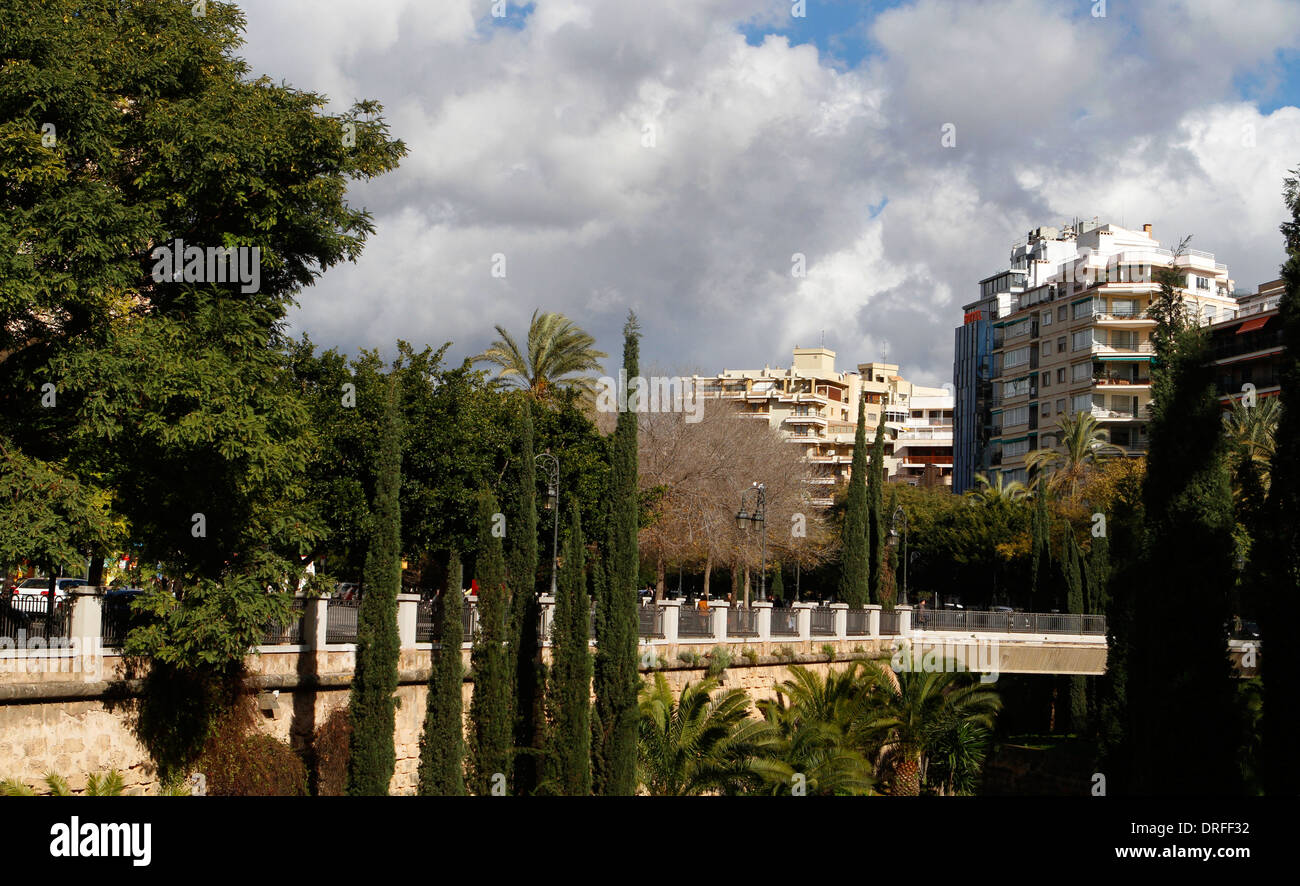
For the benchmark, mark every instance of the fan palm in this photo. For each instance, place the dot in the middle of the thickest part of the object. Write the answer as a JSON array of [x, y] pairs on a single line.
[[997, 490], [559, 356], [1083, 445], [696, 743], [109, 784], [914, 713]]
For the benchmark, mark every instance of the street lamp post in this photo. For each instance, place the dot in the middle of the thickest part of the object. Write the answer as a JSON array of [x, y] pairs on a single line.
[[550, 467], [745, 519], [897, 519]]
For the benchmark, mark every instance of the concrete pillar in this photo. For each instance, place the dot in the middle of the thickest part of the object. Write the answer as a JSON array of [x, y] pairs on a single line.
[[873, 619], [719, 611], [87, 623], [841, 611], [764, 620], [904, 620], [407, 614], [548, 618], [672, 609], [315, 620], [803, 619]]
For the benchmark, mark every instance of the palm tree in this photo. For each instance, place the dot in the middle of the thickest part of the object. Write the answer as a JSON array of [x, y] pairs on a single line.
[[1083, 445], [110, 784], [1251, 431], [997, 490], [816, 735], [696, 743], [560, 357], [914, 713]]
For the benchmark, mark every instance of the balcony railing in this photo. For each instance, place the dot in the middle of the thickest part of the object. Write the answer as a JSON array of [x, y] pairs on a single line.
[[823, 622], [742, 622], [1009, 622]]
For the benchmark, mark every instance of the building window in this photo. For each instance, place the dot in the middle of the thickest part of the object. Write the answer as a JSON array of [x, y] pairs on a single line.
[[1082, 309], [1080, 371], [1018, 357], [1047, 349], [1047, 408], [1080, 403], [1202, 282], [1047, 318], [1060, 313], [1017, 416], [1060, 376], [1011, 450], [1047, 379], [1060, 407], [1081, 339], [1060, 345]]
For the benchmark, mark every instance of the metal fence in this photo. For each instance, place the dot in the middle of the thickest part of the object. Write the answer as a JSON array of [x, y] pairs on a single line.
[[742, 622], [276, 634], [29, 617], [888, 621], [1009, 622], [785, 622], [468, 622], [859, 622], [425, 617], [823, 622], [694, 623], [341, 621], [650, 621]]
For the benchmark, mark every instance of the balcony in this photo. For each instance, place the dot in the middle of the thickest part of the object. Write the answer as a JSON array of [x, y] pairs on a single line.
[[819, 420], [1142, 347], [1104, 414]]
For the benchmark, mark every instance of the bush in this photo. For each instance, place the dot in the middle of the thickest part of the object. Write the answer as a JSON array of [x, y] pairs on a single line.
[[333, 746], [751, 656], [688, 657], [239, 761], [828, 650], [719, 660], [783, 653]]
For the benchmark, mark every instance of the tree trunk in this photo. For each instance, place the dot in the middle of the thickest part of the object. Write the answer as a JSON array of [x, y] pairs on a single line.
[[659, 578], [95, 575], [746, 586], [708, 572]]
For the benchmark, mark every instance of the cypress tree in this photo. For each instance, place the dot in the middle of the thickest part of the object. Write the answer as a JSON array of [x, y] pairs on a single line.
[[1281, 565], [600, 594], [1072, 571], [855, 576], [528, 672], [778, 586], [372, 705], [1041, 541], [617, 680], [1180, 667], [1096, 600], [569, 698], [489, 708], [876, 520], [442, 743]]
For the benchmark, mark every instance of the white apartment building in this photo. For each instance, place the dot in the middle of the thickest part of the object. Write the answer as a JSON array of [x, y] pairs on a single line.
[[1078, 335], [815, 407]]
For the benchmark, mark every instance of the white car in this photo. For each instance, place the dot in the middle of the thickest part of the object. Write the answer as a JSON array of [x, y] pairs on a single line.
[[40, 587]]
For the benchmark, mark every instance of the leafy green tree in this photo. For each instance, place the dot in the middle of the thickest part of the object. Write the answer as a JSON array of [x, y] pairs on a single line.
[[559, 355], [442, 743], [1280, 552], [616, 678], [855, 569], [1180, 660], [372, 706], [778, 586], [490, 713], [876, 519], [569, 697], [171, 397]]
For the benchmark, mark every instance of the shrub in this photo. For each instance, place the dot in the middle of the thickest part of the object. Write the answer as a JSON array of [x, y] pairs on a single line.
[[828, 650], [238, 761], [751, 656], [689, 657], [719, 660], [332, 745], [783, 653]]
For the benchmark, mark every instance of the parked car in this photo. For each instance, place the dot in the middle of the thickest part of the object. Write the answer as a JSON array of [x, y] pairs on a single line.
[[40, 587]]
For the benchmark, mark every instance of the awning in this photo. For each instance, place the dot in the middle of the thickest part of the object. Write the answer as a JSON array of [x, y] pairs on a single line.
[[1253, 323], [1123, 359]]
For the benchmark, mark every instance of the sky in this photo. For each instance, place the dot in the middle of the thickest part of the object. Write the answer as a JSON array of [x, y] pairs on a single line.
[[683, 158]]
